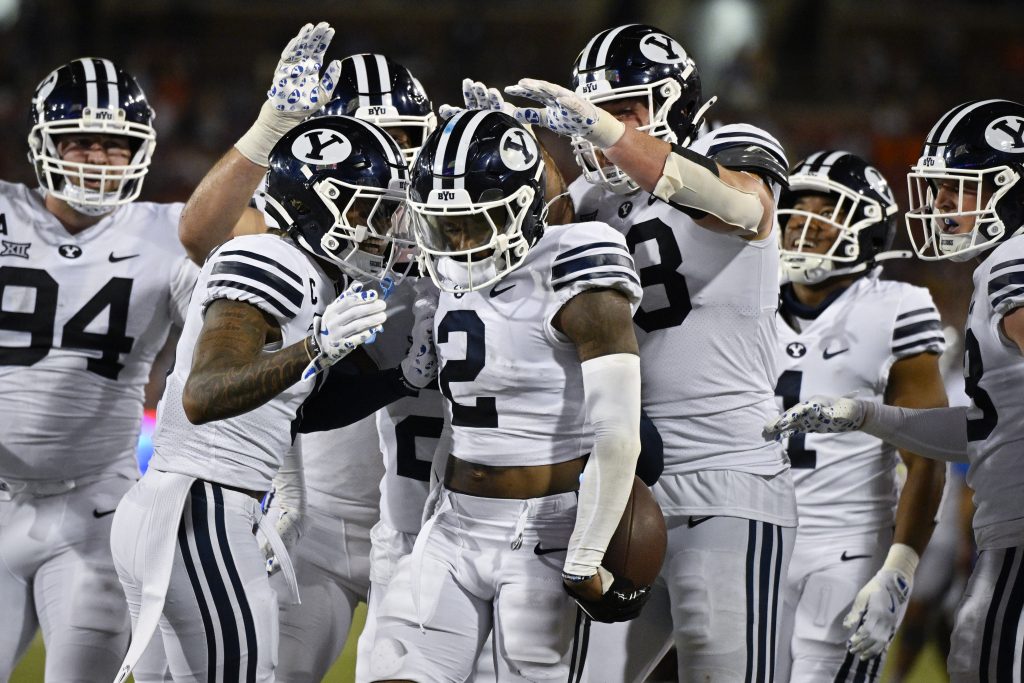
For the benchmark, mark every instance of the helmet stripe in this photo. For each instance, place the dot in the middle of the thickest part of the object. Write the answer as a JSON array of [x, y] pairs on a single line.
[[395, 159], [89, 69], [453, 147], [939, 136], [602, 54], [385, 79], [113, 101], [362, 80]]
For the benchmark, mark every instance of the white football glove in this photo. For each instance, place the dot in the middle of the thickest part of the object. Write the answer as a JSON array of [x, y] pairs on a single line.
[[566, 113], [819, 415], [296, 92], [878, 607], [476, 96], [419, 367], [354, 318]]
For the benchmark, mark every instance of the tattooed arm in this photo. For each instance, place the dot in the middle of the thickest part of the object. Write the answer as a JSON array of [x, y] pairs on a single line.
[[230, 375]]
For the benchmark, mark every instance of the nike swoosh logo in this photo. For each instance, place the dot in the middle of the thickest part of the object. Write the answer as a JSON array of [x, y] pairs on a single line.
[[115, 259], [846, 558], [498, 292], [826, 355], [97, 514], [695, 521], [537, 550]]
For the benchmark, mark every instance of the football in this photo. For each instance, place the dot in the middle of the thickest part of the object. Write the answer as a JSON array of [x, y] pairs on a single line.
[[637, 549]]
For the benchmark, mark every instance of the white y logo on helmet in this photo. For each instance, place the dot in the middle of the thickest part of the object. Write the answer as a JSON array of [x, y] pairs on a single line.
[[44, 90], [321, 146], [877, 182], [660, 48], [1006, 134], [518, 149]]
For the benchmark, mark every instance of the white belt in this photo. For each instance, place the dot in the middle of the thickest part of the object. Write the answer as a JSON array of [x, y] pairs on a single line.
[[161, 538]]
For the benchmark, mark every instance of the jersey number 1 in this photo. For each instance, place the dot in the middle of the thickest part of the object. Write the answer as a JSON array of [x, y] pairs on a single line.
[[39, 323], [788, 389]]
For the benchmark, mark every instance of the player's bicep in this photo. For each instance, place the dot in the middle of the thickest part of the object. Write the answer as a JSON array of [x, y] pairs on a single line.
[[233, 333], [915, 382], [599, 322]]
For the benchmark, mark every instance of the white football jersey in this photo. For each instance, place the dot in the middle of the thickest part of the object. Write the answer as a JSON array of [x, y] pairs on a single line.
[[846, 483], [276, 276], [81, 319], [409, 429], [706, 327], [343, 469], [513, 383], [994, 376]]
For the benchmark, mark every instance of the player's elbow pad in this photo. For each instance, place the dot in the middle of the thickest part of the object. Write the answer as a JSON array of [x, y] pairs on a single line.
[[611, 385], [692, 180], [651, 462]]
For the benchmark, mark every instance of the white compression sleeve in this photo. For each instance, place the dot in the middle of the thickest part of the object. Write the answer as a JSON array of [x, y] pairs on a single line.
[[611, 385], [692, 183], [936, 433]]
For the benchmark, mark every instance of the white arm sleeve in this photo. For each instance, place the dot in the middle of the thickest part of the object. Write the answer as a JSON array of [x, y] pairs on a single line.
[[611, 385], [936, 433], [692, 184]]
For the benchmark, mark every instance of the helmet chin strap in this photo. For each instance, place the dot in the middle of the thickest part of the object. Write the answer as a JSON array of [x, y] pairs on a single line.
[[816, 270], [84, 201]]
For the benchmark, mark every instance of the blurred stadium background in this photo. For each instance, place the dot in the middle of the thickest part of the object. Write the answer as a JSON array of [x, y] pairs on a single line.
[[869, 76]]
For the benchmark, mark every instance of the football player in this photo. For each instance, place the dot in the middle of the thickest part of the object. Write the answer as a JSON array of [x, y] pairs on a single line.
[[698, 213], [539, 369], [967, 204], [349, 485], [91, 282], [842, 330]]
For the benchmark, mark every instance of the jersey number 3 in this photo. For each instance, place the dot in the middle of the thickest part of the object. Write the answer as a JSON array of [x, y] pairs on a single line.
[[39, 323]]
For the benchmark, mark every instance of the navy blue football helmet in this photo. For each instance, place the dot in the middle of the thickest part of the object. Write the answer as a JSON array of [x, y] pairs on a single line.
[[638, 61], [374, 88], [337, 184], [976, 150], [863, 212], [476, 193], [90, 96]]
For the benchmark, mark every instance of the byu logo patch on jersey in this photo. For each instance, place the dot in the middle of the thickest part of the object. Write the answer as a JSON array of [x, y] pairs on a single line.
[[625, 208], [321, 146], [660, 48], [518, 149], [1006, 134], [796, 350], [69, 250]]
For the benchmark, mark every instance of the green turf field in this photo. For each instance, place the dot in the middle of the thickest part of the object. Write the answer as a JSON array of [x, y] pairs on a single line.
[[930, 667]]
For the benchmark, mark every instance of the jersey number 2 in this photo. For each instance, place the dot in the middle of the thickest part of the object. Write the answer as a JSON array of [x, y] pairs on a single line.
[[485, 411], [40, 321]]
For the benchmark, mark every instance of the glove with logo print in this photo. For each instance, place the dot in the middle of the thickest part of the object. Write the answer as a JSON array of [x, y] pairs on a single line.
[[419, 367], [566, 113], [817, 415], [352, 319], [296, 92]]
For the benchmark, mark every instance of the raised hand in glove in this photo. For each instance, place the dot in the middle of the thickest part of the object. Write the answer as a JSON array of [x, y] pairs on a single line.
[[877, 609], [354, 318], [296, 92], [477, 96], [819, 415], [566, 113]]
